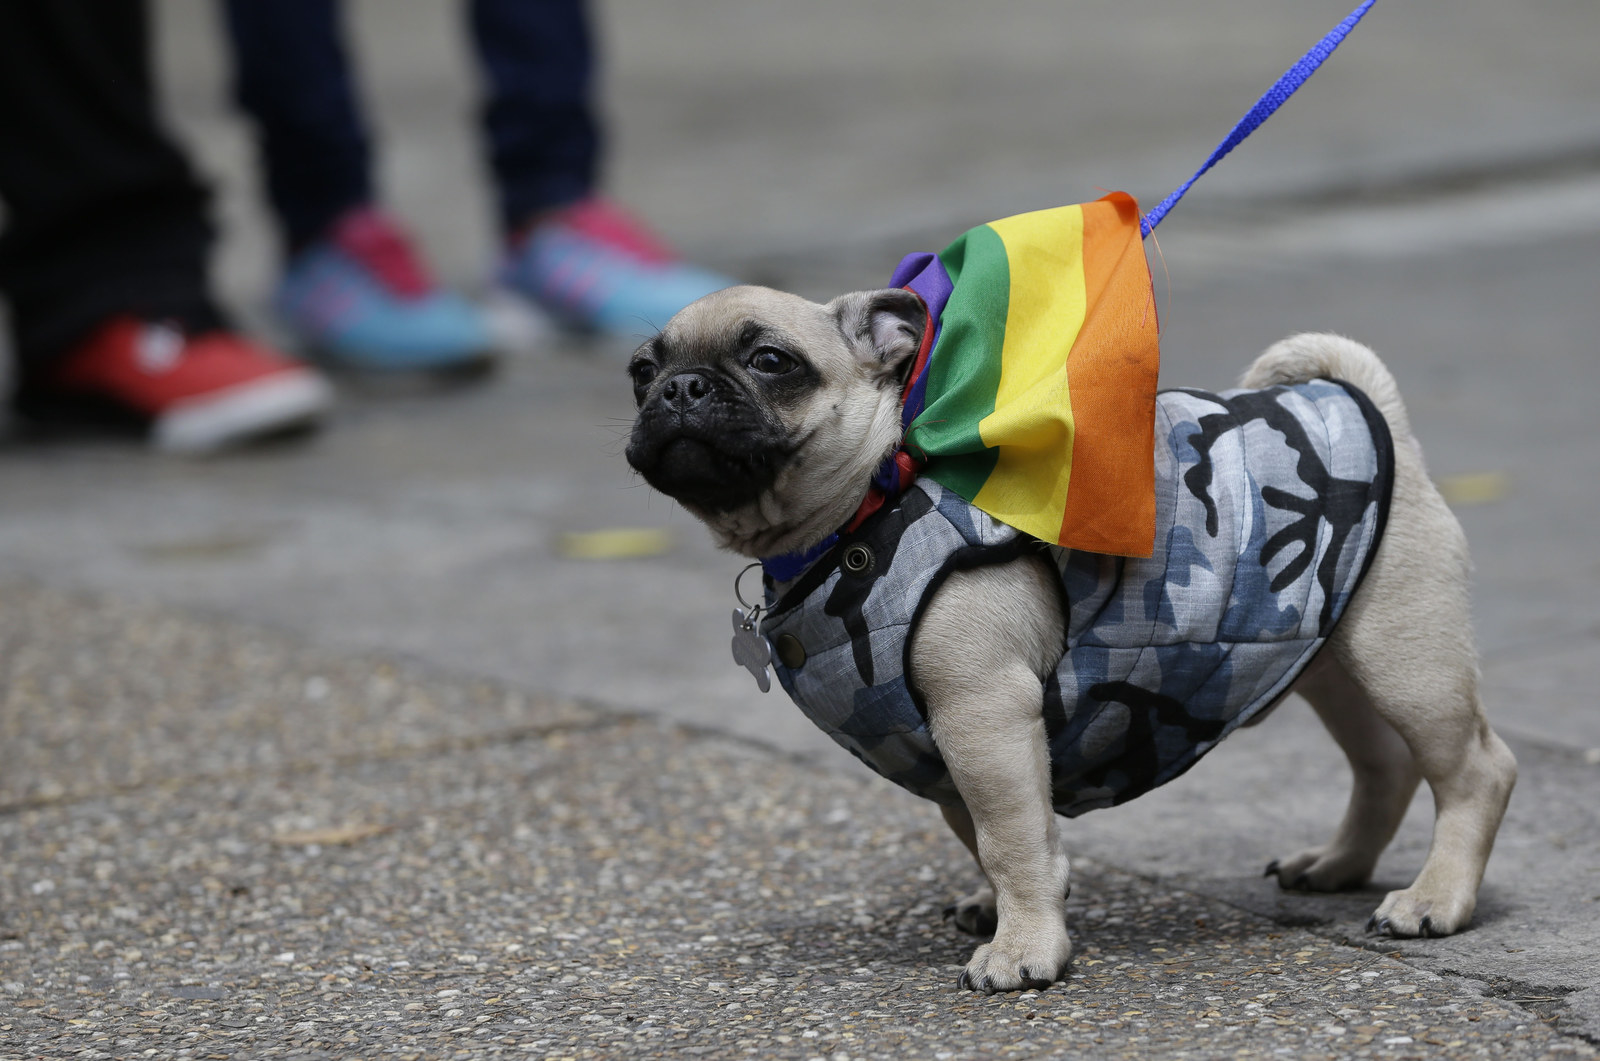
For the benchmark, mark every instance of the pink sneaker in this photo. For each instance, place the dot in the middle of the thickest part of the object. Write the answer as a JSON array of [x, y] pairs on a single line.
[[361, 299], [594, 266]]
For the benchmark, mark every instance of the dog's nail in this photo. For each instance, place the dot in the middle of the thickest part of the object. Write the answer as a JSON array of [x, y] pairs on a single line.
[[1272, 867], [1427, 928], [1067, 894], [1032, 981], [964, 981], [950, 911], [988, 985]]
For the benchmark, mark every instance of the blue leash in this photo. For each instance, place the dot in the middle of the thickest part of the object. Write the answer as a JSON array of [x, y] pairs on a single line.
[[784, 568], [1265, 106]]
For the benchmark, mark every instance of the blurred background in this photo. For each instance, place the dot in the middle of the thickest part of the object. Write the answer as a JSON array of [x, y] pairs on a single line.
[[785, 142], [772, 140], [1434, 191]]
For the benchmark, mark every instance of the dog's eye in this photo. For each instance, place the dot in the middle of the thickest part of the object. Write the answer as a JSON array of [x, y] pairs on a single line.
[[772, 362], [643, 372]]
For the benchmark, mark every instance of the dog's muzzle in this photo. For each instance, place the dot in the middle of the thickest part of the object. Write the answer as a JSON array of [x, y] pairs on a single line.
[[696, 443]]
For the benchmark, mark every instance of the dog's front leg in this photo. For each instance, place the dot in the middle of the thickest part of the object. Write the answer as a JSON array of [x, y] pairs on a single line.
[[977, 656]]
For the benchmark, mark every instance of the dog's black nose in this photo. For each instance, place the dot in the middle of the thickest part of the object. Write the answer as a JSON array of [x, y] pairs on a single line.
[[685, 391]]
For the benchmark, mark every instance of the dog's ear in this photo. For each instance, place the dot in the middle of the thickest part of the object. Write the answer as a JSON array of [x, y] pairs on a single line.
[[884, 328]]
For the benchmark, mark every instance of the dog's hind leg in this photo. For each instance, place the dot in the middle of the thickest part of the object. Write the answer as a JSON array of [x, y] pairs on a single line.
[[1405, 642], [1423, 680], [1384, 779], [974, 913], [1405, 646]]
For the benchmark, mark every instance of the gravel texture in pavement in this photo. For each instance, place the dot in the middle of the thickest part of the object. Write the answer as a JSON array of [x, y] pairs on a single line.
[[572, 883]]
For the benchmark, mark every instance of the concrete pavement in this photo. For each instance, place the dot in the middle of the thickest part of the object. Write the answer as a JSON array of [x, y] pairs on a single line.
[[277, 850], [361, 679]]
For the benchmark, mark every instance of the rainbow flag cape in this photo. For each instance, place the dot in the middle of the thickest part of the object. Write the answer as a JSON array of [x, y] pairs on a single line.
[[1034, 393]]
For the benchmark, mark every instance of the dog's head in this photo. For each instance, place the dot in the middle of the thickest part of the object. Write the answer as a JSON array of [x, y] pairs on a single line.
[[766, 415]]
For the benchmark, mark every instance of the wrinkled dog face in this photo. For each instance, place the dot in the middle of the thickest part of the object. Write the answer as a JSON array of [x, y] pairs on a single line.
[[765, 415]]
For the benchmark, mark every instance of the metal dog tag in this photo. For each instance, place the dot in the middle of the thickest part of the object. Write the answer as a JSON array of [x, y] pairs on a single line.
[[751, 650]]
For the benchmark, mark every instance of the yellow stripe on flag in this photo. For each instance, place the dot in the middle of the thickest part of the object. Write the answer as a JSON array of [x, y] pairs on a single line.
[[1032, 423]]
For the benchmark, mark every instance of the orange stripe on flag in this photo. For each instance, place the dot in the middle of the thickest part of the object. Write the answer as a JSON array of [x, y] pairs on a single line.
[[1111, 371]]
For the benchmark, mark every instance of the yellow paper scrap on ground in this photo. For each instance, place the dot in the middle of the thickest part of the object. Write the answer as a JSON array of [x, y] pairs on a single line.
[[616, 543]]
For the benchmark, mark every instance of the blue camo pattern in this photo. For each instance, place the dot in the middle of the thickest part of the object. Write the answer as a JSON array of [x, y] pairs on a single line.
[[1269, 505]]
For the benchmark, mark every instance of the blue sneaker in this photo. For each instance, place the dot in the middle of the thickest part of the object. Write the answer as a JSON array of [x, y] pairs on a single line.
[[361, 299], [594, 267]]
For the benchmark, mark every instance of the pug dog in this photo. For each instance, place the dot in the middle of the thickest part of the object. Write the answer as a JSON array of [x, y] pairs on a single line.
[[767, 416]]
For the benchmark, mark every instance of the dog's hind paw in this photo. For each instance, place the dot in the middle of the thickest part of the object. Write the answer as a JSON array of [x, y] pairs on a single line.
[[974, 914], [1018, 965]]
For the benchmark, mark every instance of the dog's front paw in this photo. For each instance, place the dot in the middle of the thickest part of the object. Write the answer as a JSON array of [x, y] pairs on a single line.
[[1410, 914], [1321, 869], [1018, 963], [974, 914]]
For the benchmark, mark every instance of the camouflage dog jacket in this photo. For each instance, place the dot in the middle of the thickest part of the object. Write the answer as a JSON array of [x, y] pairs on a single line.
[[1269, 506]]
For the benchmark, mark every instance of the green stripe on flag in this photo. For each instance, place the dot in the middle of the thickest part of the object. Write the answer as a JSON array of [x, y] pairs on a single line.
[[961, 388]]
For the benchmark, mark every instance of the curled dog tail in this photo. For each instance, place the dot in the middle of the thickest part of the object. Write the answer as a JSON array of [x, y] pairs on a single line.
[[1313, 355]]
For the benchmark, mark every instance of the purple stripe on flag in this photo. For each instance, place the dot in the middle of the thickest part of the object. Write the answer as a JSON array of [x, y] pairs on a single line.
[[924, 274]]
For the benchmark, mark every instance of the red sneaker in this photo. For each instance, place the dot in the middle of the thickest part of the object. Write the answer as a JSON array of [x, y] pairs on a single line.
[[196, 393]]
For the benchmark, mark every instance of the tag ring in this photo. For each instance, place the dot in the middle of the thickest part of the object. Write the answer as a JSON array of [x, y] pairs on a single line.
[[740, 578]]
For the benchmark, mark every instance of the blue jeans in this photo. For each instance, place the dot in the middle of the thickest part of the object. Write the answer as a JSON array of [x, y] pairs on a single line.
[[293, 77]]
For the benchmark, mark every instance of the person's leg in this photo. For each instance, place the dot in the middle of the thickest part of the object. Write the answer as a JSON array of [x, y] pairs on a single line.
[[543, 139], [293, 77], [104, 251], [103, 213], [570, 250], [354, 290]]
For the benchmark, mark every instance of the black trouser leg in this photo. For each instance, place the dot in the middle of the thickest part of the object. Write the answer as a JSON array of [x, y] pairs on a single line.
[[538, 64], [103, 214], [292, 75]]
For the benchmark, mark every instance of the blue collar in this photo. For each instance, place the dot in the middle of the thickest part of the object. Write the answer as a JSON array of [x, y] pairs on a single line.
[[789, 565]]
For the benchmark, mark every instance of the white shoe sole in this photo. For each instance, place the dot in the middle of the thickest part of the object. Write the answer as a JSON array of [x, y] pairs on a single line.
[[277, 403]]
